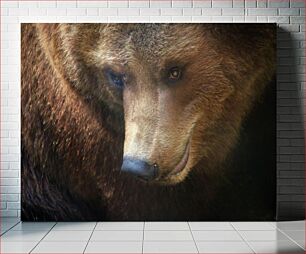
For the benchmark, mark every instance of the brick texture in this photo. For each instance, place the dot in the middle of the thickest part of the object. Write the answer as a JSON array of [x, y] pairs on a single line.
[[288, 14]]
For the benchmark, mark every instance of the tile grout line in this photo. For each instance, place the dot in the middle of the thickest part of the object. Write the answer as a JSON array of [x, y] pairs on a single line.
[[90, 237], [10, 228], [143, 232], [42, 238], [273, 225], [290, 238], [193, 237], [247, 243]]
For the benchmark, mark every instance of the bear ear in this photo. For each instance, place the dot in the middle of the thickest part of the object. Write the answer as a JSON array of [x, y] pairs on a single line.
[[49, 36], [47, 29]]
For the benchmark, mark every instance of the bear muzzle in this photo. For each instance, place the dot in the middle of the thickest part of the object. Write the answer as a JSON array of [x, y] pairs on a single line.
[[140, 168]]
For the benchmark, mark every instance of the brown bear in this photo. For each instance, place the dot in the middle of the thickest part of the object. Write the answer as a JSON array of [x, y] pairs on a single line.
[[147, 121]]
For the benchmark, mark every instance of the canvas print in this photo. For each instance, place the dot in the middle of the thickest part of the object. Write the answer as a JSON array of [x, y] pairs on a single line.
[[155, 122]]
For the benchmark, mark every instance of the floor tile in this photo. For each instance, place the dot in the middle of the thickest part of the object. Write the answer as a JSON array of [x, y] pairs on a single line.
[[169, 247], [254, 225], [301, 243], [211, 226], [23, 236], [297, 235], [160, 237], [168, 236], [99, 236], [223, 247], [64, 226], [216, 236], [276, 247], [291, 225], [120, 226], [60, 247], [258, 235], [33, 226], [17, 247], [69, 236], [111, 247], [166, 226], [5, 226], [9, 224]]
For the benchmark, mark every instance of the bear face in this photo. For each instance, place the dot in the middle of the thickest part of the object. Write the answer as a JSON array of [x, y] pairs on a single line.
[[169, 85]]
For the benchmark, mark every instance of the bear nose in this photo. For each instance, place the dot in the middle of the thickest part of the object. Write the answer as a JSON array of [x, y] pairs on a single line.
[[139, 168]]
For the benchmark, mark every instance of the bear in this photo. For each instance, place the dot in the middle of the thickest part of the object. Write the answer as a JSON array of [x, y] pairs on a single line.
[[128, 122]]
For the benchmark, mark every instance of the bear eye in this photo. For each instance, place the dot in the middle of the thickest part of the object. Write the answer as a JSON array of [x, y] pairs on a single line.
[[174, 74], [115, 79]]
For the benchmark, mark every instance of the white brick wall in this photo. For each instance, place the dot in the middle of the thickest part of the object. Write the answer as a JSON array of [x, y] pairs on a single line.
[[289, 14]]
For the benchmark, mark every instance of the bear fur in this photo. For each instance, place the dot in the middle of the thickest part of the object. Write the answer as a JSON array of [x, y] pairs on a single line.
[[74, 125]]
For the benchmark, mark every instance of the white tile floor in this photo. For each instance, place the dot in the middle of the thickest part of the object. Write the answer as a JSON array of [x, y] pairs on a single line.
[[152, 237]]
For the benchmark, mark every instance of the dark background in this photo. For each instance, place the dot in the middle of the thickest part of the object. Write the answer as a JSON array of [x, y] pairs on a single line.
[[250, 191]]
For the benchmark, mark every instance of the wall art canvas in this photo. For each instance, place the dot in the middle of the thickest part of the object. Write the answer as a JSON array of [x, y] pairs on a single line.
[[148, 122]]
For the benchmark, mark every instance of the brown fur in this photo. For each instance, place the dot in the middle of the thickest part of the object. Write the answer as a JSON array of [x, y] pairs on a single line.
[[74, 123]]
